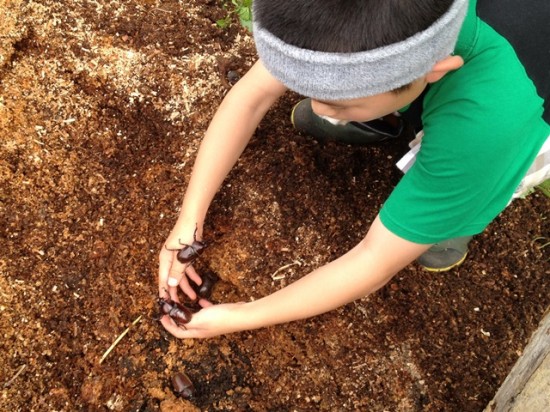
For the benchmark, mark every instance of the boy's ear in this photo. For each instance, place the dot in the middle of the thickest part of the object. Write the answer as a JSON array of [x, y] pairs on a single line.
[[442, 67]]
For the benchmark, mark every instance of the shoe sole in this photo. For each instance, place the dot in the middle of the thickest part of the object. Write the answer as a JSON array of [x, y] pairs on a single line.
[[445, 269], [292, 114]]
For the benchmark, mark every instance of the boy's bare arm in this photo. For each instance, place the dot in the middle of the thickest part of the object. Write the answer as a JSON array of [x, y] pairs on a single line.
[[361, 271], [227, 136]]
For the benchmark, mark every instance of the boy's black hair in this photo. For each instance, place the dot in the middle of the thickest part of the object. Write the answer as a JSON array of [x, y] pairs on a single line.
[[347, 26]]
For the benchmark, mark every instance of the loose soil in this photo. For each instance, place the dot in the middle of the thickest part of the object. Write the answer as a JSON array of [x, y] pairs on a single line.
[[102, 108]]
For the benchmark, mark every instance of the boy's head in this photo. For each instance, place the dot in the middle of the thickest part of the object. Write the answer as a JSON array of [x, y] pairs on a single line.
[[347, 26], [348, 49]]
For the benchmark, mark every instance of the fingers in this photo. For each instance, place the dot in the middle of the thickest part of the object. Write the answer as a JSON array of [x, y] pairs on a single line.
[[172, 274], [176, 273], [177, 277], [184, 286], [171, 327], [211, 320], [205, 303], [165, 263], [193, 275], [178, 331]]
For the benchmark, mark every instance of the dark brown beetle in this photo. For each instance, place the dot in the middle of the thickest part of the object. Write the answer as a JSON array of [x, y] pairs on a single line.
[[189, 253], [209, 279], [179, 313], [182, 385]]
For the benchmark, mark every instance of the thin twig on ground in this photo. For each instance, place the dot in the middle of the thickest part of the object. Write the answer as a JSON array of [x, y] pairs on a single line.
[[19, 372], [274, 275], [118, 340]]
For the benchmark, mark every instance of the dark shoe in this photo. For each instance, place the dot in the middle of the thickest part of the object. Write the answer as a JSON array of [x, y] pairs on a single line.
[[356, 133], [445, 255]]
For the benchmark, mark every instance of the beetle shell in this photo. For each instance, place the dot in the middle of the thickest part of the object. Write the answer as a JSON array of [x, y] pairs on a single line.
[[191, 252], [182, 385], [179, 313], [208, 281]]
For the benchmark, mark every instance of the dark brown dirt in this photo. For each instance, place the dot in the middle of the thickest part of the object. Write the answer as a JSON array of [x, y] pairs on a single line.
[[102, 107]]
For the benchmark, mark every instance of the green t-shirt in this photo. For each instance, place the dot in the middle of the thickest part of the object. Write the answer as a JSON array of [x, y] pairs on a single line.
[[483, 127]]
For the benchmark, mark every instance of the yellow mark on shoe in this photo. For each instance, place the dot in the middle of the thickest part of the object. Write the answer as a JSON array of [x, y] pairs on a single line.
[[445, 269]]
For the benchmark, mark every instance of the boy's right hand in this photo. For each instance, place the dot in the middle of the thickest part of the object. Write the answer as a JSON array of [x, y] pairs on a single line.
[[173, 273]]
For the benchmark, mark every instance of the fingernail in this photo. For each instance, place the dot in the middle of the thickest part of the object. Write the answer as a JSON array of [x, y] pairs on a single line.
[[172, 282]]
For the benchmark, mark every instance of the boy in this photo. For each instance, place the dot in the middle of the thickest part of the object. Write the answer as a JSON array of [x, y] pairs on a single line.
[[483, 118]]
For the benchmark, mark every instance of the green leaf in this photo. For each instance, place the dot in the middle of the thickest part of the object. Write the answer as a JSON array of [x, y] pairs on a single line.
[[223, 23]]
